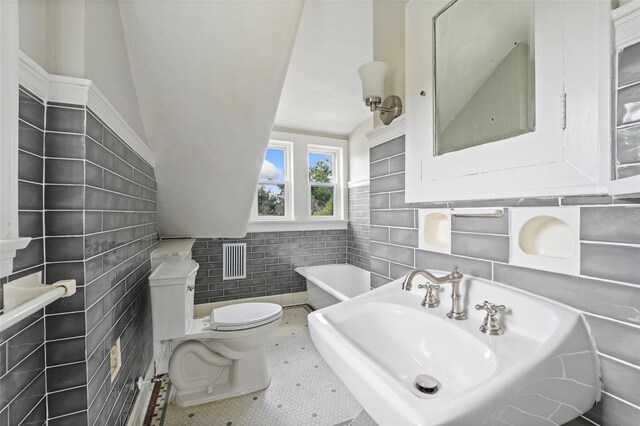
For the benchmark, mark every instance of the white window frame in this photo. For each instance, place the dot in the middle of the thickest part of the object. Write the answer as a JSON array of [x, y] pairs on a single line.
[[287, 182], [335, 178], [299, 216]]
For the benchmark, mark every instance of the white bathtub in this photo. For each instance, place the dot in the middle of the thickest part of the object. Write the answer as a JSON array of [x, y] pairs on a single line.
[[330, 284]]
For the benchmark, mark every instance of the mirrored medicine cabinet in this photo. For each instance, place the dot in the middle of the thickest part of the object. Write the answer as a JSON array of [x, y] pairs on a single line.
[[507, 99]]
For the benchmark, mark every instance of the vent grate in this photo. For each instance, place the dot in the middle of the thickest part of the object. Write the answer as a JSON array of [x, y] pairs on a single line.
[[234, 261]]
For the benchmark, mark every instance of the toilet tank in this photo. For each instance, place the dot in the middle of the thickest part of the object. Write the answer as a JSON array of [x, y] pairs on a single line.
[[175, 250], [172, 287]]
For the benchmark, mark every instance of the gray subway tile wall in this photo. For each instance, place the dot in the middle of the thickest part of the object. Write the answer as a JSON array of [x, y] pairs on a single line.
[[627, 147], [272, 258], [120, 234], [358, 240], [99, 232], [607, 289], [22, 363]]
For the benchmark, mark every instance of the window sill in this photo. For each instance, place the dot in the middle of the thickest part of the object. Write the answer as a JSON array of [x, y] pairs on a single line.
[[296, 225]]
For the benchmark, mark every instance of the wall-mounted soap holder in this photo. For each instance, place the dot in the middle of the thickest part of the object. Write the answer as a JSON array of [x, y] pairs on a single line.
[[434, 230], [546, 238]]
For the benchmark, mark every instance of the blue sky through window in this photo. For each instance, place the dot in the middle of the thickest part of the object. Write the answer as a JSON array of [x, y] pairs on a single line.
[[273, 165], [314, 157]]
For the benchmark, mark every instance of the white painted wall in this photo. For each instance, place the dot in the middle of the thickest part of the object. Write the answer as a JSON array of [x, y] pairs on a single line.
[[209, 77], [65, 38], [107, 60], [388, 45], [33, 36], [83, 39], [359, 151], [8, 124]]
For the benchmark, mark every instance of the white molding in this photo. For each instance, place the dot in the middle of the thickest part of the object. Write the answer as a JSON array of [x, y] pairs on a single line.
[[311, 225], [139, 410], [68, 90], [627, 21], [33, 77], [8, 250], [99, 104], [80, 91], [357, 183], [383, 134], [8, 134]]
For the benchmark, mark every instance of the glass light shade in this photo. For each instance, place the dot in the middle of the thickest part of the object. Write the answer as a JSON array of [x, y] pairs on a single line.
[[372, 75]]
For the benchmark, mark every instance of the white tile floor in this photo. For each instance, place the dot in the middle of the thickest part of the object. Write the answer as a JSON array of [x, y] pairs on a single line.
[[303, 391]]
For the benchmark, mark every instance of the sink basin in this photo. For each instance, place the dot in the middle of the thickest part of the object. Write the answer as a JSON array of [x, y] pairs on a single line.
[[542, 371]]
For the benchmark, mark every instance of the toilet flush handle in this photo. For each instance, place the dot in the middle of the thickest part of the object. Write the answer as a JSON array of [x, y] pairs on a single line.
[[191, 287]]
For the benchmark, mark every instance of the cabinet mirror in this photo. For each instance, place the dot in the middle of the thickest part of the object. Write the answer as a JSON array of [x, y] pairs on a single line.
[[484, 57]]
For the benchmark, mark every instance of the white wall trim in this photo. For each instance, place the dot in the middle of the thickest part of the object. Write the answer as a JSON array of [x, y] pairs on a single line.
[[8, 250], [33, 77], [358, 183], [311, 225], [627, 20], [99, 104], [383, 134], [80, 91], [139, 410], [9, 241]]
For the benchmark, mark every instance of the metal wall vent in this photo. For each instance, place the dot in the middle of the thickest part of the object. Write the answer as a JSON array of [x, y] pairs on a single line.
[[234, 261]]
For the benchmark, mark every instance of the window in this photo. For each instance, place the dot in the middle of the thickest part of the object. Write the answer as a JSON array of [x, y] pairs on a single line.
[[273, 198], [301, 184], [322, 182]]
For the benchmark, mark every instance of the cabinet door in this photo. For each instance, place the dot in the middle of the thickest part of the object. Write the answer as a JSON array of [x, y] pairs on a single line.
[[561, 156]]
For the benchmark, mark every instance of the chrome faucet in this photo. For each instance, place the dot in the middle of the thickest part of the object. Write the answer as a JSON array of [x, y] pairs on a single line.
[[455, 278]]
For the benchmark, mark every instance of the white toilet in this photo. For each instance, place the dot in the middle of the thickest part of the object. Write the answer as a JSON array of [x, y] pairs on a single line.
[[215, 357]]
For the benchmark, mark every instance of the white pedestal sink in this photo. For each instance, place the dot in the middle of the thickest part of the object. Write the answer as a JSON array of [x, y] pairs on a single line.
[[542, 371]]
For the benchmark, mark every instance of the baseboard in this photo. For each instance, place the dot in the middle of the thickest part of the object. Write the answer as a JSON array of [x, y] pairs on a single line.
[[136, 417]]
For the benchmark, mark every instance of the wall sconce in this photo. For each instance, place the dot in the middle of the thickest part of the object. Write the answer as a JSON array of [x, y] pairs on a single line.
[[372, 75]]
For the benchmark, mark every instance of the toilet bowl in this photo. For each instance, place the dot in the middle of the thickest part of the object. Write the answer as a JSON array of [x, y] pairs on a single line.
[[215, 357], [226, 356]]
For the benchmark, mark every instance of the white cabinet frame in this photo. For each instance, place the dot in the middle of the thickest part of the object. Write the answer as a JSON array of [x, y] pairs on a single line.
[[567, 153]]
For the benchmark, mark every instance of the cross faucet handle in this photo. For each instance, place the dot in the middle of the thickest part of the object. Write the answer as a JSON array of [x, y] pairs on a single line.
[[491, 308], [491, 325], [431, 299], [431, 287]]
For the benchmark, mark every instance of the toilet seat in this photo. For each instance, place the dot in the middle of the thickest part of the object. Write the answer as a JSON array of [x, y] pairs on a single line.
[[244, 316]]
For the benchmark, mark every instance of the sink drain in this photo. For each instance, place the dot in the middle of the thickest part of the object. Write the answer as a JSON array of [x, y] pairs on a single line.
[[427, 384]]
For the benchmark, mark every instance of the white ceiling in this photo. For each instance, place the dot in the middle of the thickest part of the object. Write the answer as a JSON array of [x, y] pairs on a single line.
[[208, 75], [322, 92]]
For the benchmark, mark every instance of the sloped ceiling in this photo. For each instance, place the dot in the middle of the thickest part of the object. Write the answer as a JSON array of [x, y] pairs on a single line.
[[322, 93], [208, 76]]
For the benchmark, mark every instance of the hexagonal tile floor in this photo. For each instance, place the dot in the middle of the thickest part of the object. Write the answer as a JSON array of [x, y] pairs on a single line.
[[303, 390]]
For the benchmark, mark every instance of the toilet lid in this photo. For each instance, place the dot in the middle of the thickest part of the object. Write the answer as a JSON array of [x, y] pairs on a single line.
[[244, 314]]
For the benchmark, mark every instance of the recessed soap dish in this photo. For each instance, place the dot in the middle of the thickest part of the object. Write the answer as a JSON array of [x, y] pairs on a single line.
[[546, 238], [434, 230]]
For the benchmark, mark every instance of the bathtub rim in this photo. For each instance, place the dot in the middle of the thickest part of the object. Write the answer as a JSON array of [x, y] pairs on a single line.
[[307, 273]]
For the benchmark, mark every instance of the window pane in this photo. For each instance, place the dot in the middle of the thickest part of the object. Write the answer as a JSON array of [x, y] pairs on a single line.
[[320, 167], [273, 165], [322, 200], [270, 200]]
